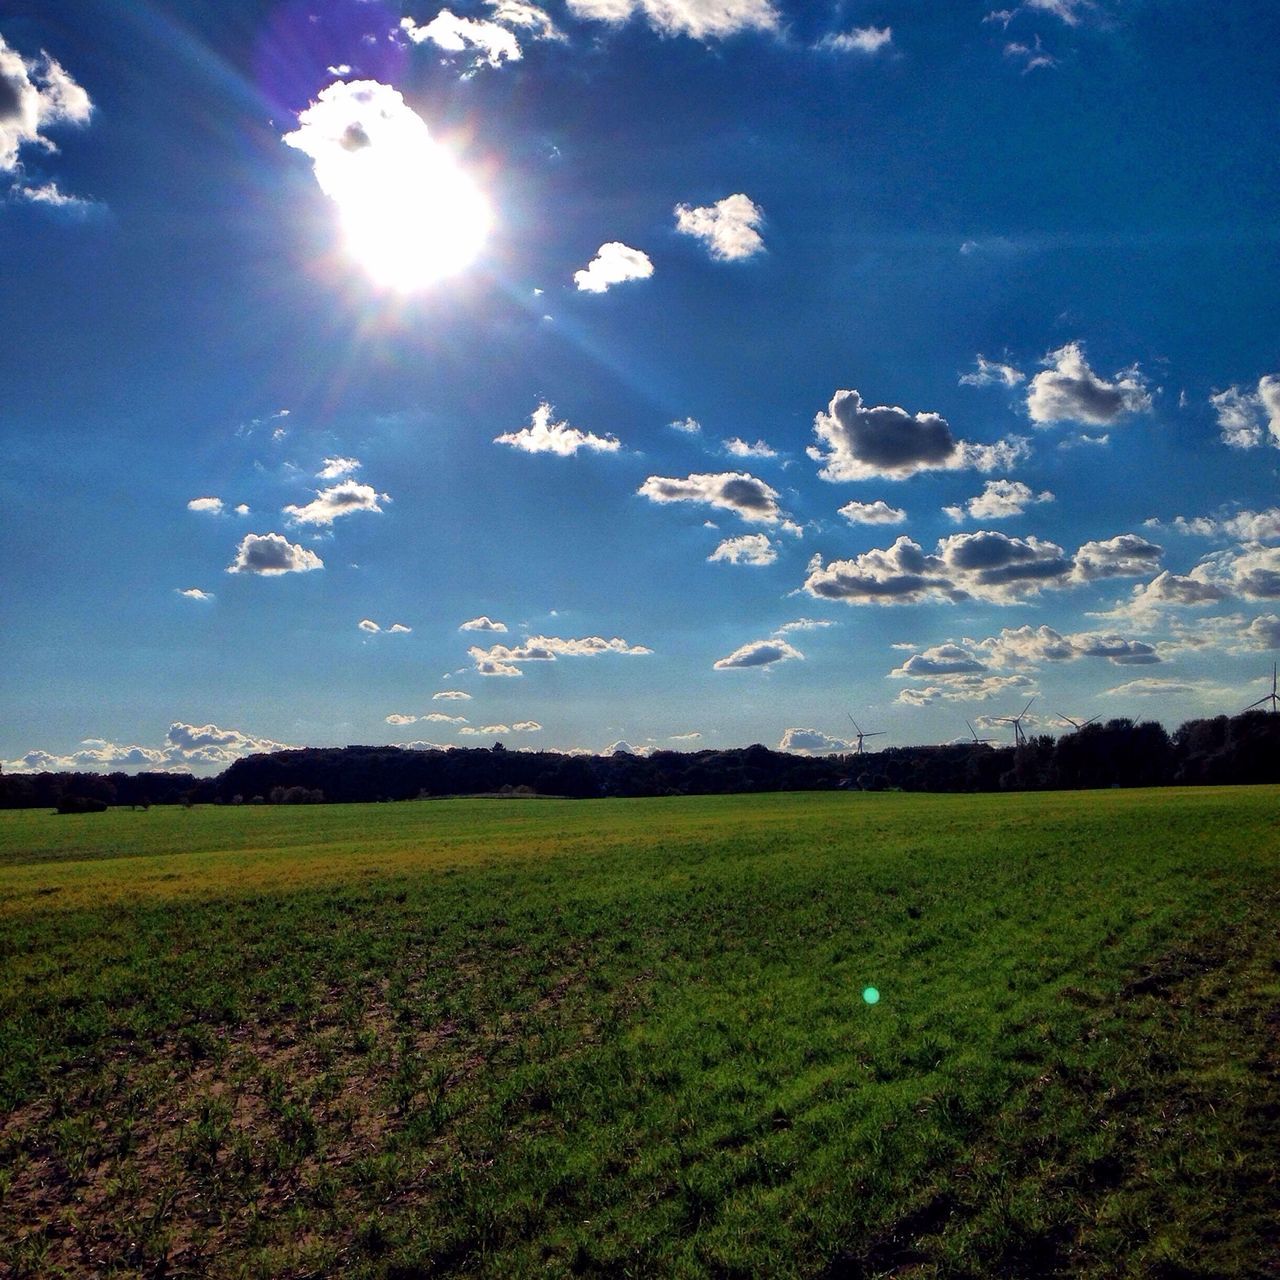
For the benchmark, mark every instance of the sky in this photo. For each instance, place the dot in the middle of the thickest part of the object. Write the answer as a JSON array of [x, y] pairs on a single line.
[[678, 374]]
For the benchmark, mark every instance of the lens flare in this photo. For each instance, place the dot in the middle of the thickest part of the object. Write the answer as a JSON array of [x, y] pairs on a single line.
[[871, 995], [409, 214]]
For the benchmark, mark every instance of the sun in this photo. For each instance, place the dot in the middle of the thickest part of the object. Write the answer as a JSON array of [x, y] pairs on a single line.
[[410, 214]]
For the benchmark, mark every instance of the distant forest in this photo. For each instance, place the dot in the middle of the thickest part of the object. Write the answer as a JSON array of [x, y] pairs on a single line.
[[1119, 753]]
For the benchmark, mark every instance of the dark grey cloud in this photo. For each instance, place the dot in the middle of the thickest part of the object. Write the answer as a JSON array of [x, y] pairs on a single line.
[[1068, 390]]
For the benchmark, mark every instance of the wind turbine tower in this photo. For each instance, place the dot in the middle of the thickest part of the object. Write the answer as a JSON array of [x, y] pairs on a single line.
[[879, 733], [1019, 738], [1273, 697]]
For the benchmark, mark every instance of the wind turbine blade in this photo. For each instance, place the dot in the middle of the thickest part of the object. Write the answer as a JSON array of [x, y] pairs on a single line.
[[1259, 703], [1027, 708]]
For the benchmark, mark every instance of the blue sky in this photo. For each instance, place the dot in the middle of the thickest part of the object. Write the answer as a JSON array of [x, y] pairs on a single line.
[[970, 320]]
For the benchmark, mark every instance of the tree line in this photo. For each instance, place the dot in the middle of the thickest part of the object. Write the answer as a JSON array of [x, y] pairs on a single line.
[[1119, 753]]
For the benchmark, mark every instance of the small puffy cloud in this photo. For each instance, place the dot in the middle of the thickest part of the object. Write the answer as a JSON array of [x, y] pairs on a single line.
[[528, 17], [1150, 687], [194, 593], [986, 565], [1125, 556], [439, 717], [341, 499], [493, 44], [451, 695], [736, 491], [1252, 571], [687, 426], [270, 554], [1116, 649], [971, 687], [940, 660], [1081, 440], [614, 263], [1166, 590], [36, 94], [859, 40], [373, 629], [811, 742], [397, 719], [1247, 418], [1263, 632], [1068, 390], [741, 449], [336, 468], [686, 737], [729, 228], [209, 506], [1070, 11], [878, 512], [701, 19], [992, 373], [242, 509], [803, 624], [999, 500], [368, 624], [545, 436], [526, 726], [482, 623], [1033, 56], [759, 653], [488, 730], [505, 660], [210, 745], [857, 441], [750, 548], [1243, 526], [398, 629]]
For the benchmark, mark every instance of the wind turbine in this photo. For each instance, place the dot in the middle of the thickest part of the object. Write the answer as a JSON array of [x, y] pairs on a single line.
[[973, 734], [857, 751], [1273, 697], [1077, 725], [1019, 738]]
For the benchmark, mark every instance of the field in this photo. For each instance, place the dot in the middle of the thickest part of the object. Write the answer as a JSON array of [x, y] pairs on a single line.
[[629, 1038]]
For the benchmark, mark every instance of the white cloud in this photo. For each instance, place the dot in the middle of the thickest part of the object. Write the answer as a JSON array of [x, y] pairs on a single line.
[[811, 742], [695, 736], [999, 500], [36, 94], [759, 653], [368, 624], [1068, 10], [519, 13], [985, 565], [1068, 390], [741, 449], [545, 436], [397, 719], [878, 512], [209, 745], [270, 554], [803, 624], [974, 687], [439, 717], [409, 214], [398, 629], [482, 623], [1150, 687], [992, 373], [341, 499], [185, 746], [505, 660], [859, 40], [939, 660], [53, 197], [1033, 55], [613, 264], [861, 442], [493, 44], [745, 495], [1247, 418], [1124, 556], [729, 228], [688, 426], [526, 726], [210, 506], [1252, 571], [336, 468], [451, 695], [700, 19], [750, 548], [395, 629], [194, 593], [1027, 645], [1264, 632], [1243, 526]]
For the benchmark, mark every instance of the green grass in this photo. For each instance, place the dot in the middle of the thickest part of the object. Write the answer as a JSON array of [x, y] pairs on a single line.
[[627, 1038]]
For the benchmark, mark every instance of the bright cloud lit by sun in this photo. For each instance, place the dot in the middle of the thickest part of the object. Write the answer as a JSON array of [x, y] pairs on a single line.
[[410, 215]]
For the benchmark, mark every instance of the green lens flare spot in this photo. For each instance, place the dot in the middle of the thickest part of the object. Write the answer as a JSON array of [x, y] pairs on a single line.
[[871, 995]]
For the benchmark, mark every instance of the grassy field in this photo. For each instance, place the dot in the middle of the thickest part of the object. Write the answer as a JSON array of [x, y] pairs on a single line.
[[629, 1038]]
